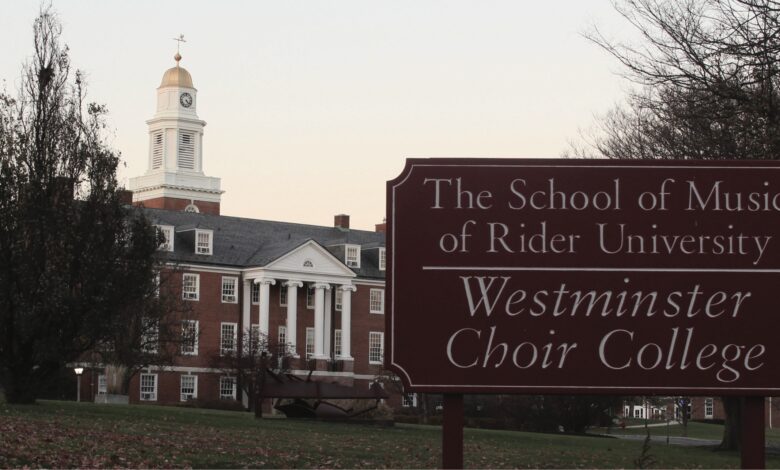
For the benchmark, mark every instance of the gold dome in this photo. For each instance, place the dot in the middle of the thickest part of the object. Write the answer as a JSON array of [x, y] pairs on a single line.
[[177, 76]]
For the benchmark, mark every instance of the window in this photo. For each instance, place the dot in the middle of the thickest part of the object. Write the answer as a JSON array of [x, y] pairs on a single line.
[[375, 347], [189, 337], [227, 388], [228, 338], [190, 286], [637, 412], [409, 400], [186, 150], [255, 293], [102, 385], [254, 339], [150, 337], [337, 343], [708, 408], [167, 232], [382, 259], [339, 297], [148, 387], [192, 208], [352, 255], [189, 387], [281, 346], [203, 243], [376, 302], [309, 343], [157, 149], [229, 295], [310, 297], [282, 296]]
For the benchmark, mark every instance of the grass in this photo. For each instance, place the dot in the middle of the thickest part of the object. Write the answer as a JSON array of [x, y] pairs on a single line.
[[66, 434]]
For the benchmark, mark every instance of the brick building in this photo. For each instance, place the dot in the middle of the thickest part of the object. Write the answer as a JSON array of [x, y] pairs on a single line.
[[318, 289]]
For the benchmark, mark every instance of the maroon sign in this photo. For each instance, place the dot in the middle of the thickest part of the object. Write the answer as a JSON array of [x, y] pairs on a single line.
[[584, 276]]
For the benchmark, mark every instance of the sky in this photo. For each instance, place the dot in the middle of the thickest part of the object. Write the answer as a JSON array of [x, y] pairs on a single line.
[[311, 106]]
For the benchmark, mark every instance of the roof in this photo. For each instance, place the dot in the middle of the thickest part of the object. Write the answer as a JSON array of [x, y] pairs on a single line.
[[242, 243], [177, 76]]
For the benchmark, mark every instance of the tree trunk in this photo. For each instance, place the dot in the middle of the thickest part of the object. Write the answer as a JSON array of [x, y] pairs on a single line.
[[732, 429], [21, 385], [19, 392]]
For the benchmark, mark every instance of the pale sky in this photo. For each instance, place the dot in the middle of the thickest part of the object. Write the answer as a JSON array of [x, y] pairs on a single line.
[[313, 105]]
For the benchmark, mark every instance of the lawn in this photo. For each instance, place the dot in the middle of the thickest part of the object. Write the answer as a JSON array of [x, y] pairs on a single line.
[[66, 434]]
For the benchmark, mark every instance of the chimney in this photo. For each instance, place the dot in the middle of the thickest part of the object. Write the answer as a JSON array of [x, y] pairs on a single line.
[[380, 228], [341, 221], [125, 197]]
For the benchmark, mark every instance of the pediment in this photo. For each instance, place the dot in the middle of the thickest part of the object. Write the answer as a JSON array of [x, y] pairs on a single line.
[[310, 258]]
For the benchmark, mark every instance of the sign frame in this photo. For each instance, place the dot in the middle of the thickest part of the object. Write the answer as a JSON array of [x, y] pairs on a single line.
[[391, 339]]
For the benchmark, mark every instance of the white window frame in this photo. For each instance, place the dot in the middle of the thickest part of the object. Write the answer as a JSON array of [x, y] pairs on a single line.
[[229, 298], [185, 347], [281, 337], [282, 295], [255, 294], [381, 301], [310, 296], [709, 408], [409, 400], [223, 396], [199, 248], [190, 295], [102, 384], [148, 395], [352, 261], [222, 339], [338, 301], [168, 233], [382, 259], [381, 337], [309, 342], [188, 395], [337, 342]]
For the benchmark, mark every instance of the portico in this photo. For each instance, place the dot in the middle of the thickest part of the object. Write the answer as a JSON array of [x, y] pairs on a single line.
[[309, 265]]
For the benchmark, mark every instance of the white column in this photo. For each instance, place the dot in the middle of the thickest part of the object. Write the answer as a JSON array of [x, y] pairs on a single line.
[[246, 320], [346, 321], [292, 315], [246, 310], [319, 320], [265, 294], [328, 323]]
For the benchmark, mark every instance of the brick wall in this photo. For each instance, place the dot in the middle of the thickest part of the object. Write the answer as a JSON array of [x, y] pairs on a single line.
[[174, 204]]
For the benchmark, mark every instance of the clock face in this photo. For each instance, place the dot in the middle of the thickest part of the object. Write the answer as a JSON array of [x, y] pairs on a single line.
[[186, 100]]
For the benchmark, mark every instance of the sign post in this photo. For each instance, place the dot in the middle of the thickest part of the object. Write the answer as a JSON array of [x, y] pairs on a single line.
[[753, 435], [452, 431], [557, 276]]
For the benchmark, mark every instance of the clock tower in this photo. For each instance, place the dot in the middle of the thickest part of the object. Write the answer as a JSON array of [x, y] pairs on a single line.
[[174, 179]]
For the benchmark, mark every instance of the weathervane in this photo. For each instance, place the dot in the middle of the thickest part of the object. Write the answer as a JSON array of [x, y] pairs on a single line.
[[178, 40]]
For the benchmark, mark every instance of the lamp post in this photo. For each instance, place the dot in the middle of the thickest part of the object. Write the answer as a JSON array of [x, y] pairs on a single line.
[[78, 371]]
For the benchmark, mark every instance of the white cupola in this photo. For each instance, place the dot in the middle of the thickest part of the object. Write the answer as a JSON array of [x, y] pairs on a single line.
[[174, 178]]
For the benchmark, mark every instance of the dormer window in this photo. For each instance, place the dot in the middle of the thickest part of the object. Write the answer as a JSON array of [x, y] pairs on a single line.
[[352, 256], [203, 242], [167, 231], [382, 259]]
